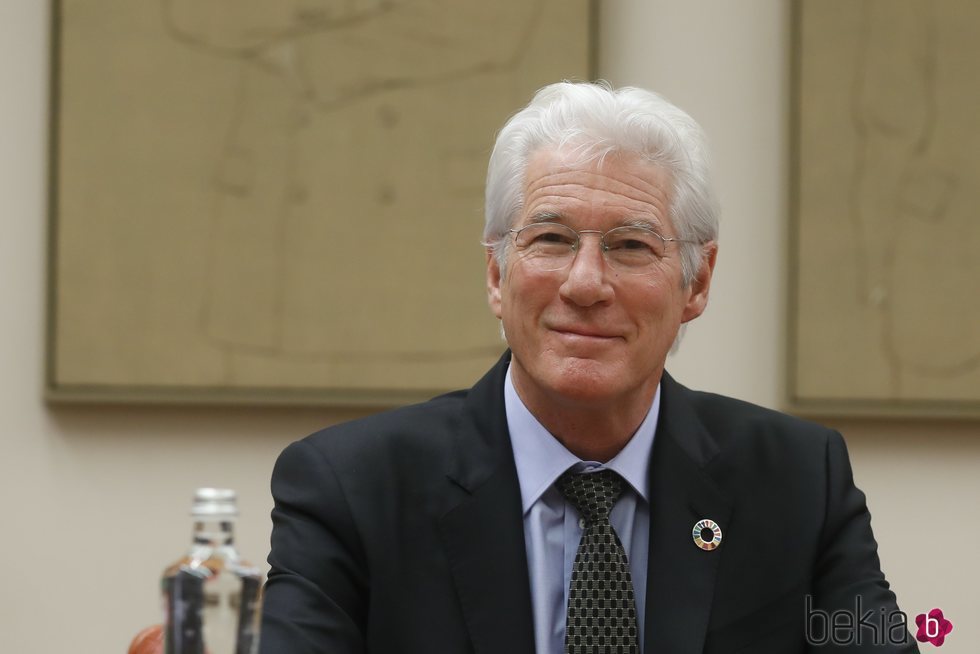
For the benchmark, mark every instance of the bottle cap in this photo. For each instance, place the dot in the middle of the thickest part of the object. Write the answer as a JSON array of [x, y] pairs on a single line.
[[215, 503]]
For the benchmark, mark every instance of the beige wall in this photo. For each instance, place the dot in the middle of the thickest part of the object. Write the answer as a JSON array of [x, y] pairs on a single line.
[[95, 497]]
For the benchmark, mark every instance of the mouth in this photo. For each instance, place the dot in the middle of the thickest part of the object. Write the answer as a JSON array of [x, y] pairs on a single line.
[[584, 334]]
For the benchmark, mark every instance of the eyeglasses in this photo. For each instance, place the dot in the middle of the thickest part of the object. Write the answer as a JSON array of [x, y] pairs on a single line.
[[628, 249]]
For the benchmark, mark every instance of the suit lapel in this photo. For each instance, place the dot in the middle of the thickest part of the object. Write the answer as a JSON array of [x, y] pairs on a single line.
[[484, 532], [680, 576]]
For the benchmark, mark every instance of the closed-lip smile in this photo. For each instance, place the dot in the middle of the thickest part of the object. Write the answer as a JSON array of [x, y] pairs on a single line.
[[584, 331]]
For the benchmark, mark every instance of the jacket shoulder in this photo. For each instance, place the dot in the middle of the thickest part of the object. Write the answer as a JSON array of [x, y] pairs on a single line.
[[743, 428], [418, 430], [719, 410]]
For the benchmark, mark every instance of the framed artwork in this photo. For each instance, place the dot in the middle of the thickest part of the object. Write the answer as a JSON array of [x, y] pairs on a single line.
[[280, 201], [885, 305]]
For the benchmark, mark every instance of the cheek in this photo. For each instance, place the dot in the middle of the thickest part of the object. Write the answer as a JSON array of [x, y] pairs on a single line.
[[524, 293], [657, 304], [655, 293]]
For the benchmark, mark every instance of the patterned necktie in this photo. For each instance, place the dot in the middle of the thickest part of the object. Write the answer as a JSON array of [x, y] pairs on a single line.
[[601, 608]]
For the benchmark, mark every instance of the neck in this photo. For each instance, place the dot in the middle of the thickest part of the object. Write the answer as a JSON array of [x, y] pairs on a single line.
[[591, 430]]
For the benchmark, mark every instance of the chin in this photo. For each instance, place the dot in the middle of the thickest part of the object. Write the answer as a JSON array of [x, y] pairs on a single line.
[[585, 381]]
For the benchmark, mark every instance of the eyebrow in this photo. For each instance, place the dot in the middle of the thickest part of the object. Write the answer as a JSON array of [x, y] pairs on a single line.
[[653, 224], [546, 217], [554, 216]]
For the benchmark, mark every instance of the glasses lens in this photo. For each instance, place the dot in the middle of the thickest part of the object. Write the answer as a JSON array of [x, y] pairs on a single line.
[[634, 249], [548, 246]]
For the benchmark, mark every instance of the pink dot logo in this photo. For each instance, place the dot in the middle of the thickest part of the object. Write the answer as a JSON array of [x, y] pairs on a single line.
[[933, 627]]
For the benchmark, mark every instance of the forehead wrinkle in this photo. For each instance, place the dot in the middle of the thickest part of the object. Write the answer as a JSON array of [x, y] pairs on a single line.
[[557, 205], [640, 191]]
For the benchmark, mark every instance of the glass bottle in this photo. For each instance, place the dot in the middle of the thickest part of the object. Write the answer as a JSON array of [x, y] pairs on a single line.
[[211, 595]]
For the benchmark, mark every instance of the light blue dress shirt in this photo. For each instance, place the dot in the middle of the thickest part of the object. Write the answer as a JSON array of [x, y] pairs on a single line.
[[551, 526]]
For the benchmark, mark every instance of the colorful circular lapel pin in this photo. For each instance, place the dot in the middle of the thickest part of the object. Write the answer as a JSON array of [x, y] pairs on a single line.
[[706, 534]]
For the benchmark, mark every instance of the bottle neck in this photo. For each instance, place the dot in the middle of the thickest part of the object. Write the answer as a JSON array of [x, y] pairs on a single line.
[[214, 532]]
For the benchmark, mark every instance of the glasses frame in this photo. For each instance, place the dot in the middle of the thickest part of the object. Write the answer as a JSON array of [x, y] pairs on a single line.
[[602, 241]]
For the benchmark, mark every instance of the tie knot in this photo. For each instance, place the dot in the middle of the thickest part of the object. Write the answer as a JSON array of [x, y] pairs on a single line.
[[591, 493]]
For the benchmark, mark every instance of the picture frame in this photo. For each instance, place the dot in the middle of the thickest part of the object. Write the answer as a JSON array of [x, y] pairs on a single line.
[[282, 204], [884, 319]]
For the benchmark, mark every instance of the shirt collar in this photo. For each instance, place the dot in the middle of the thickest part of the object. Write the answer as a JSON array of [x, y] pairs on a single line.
[[541, 458]]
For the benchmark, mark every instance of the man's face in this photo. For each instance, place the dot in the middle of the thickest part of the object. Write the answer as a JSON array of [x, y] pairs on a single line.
[[588, 334]]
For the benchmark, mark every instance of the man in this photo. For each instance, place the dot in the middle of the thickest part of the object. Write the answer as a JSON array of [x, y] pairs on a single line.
[[577, 499]]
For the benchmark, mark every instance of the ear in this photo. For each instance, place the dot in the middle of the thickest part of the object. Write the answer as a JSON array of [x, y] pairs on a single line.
[[697, 299], [493, 283]]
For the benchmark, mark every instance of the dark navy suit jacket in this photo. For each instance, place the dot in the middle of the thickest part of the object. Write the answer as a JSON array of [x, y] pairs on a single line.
[[403, 532]]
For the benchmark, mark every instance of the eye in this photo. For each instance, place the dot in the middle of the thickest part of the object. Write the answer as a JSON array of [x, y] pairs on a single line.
[[632, 239], [553, 236], [547, 237], [632, 244]]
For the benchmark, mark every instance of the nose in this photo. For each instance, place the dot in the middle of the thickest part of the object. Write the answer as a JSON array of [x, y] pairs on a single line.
[[587, 281]]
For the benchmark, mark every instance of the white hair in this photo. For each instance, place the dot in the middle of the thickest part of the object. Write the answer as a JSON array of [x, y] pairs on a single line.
[[594, 120]]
